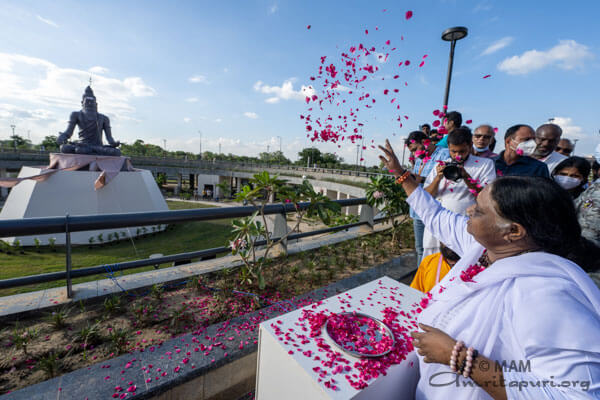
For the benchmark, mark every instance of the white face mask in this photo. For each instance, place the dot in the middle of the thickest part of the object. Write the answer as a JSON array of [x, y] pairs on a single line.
[[526, 148], [567, 182], [481, 150]]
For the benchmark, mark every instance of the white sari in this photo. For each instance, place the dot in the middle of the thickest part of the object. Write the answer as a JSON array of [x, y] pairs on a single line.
[[537, 311]]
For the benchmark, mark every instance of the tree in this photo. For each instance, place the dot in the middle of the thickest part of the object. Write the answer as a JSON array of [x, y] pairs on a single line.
[[311, 154], [50, 143], [275, 157]]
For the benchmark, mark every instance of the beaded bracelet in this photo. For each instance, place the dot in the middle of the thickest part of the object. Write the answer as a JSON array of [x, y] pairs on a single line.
[[471, 355], [457, 348], [402, 178]]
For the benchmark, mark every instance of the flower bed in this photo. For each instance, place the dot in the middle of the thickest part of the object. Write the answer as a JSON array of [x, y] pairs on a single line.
[[35, 350]]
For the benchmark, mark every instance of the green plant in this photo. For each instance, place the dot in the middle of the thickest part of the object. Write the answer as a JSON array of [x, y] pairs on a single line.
[[123, 234], [119, 339], [383, 193], [157, 292], [49, 364], [89, 334], [17, 247], [6, 247], [91, 241], [22, 337], [112, 304], [100, 238], [81, 306], [51, 243], [58, 318], [143, 313], [247, 231], [178, 317], [37, 244]]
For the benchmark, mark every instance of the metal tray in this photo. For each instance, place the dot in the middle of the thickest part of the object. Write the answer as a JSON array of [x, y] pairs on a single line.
[[382, 330]]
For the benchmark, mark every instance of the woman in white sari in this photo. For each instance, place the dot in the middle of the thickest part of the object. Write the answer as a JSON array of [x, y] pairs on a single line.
[[529, 317]]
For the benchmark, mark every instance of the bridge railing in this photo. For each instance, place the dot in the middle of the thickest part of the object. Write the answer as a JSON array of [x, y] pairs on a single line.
[[31, 155], [69, 224]]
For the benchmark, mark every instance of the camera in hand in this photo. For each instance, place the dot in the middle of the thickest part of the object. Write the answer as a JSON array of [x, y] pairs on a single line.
[[452, 172]]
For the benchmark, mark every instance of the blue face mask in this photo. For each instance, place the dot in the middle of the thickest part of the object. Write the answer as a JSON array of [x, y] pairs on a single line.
[[481, 150]]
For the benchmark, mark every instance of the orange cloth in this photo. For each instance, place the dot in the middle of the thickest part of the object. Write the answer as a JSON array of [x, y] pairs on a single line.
[[424, 279]]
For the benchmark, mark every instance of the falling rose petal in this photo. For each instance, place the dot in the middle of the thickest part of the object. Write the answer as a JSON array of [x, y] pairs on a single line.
[[407, 62], [307, 26], [366, 31], [436, 112], [495, 130], [468, 121], [425, 56], [409, 14], [387, 42], [436, 123], [486, 76], [422, 63]]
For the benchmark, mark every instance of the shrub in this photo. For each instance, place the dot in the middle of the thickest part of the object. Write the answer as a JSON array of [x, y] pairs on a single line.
[[119, 339], [49, 364], [58, 318]]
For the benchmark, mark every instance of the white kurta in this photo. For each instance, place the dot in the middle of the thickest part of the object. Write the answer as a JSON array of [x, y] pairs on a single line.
[[553, 160], [535, 307], [455, 196]]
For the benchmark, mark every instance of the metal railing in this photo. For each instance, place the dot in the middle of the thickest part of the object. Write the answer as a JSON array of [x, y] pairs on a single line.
[[69, 224], [27, 155]]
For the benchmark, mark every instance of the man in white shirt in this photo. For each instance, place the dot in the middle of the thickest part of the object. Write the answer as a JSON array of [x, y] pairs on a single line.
[[547, 137], [473, 174]]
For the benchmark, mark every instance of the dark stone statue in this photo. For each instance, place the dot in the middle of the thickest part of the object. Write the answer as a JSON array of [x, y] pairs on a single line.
[[91, 124]]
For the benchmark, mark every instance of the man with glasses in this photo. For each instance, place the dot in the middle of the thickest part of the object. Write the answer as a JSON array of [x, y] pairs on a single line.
[[565, 147], [482, 139], [546, 138], [519, 144]]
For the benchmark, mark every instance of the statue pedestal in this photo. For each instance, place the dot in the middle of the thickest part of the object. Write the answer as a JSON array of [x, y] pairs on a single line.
[[73, 193]]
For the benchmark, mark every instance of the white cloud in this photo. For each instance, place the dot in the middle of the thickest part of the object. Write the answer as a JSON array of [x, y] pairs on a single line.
[[192, 99], [284, 92], [198, 79], [36, 83], [218, 120], [570, 130], [567, 55], [98, 70], [47, 21], [498, 45], [187, 119], [482, 6], [251, 115], [273, 9]]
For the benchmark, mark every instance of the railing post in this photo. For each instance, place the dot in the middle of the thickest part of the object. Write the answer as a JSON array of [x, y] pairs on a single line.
[[366, 215], [280, 229], [68, 256]]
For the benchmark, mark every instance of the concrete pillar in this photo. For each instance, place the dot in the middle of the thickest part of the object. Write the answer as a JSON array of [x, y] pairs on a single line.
[[352, 209], [331, 194], [367, 215], [178, 187], [3, 191], [280, 229]]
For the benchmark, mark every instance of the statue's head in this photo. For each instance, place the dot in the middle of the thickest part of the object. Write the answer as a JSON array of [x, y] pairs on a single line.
[[88, 100]]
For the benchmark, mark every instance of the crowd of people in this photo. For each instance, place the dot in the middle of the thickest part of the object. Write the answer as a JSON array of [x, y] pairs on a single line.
[[455, 167], [506, 240]]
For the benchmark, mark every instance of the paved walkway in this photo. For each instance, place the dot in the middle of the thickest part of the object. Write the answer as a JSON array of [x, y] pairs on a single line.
[[44, 299]]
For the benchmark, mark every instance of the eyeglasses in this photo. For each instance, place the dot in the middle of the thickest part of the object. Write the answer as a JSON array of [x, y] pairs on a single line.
[[566, 149], [478, 136]]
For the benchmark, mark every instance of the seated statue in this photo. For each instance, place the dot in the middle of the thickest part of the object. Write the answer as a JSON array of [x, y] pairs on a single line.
[[91, 124]]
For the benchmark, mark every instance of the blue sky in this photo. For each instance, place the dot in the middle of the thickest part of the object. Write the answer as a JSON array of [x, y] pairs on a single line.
[[234, 69]]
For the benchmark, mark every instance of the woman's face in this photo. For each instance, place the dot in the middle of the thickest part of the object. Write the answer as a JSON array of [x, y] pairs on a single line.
[[572, 172], [484, 221]]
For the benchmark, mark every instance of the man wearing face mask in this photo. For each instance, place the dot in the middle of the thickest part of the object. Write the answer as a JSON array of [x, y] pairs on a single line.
[[457, 192], [515, 160], [546, 139], [482, 138]]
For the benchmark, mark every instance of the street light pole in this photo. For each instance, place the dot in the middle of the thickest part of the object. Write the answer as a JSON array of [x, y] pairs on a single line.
[[14, 141], [451, 35], [200, 154]]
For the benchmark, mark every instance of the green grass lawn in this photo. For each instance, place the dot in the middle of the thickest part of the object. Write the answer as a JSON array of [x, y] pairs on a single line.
[[185, 237]]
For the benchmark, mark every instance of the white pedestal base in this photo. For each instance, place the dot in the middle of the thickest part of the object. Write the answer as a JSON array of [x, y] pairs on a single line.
[[282, 375], [72, 192]]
